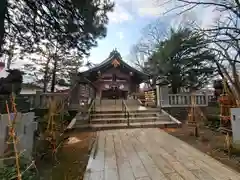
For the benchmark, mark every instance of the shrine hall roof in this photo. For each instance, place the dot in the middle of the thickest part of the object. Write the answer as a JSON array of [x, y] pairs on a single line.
[[108, 63]]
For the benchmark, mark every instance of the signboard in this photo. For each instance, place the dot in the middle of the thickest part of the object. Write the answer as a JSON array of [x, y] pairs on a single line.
[[115, 63]]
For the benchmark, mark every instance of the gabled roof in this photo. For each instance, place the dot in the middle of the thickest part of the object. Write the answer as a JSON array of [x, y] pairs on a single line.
[[115, 55]]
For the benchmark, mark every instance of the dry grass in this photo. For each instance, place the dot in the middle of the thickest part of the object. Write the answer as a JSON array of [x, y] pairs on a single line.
[[72, 158]]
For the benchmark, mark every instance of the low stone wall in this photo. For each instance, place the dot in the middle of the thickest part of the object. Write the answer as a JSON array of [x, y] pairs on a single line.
[[25, 129], [181, 113]]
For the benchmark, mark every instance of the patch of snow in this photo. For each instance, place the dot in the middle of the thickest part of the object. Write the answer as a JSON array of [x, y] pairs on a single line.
[[58, 88], [73, 140]]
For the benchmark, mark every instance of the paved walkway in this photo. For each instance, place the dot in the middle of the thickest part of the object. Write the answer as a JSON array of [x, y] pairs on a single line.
[[152, 154]]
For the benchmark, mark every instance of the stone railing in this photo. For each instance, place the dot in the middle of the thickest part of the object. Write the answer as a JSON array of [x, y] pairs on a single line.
[[45, 97], [187, 99], [165, 99], [41, 100], [30, 99]]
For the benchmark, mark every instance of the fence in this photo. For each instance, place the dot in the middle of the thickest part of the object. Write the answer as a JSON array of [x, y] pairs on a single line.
[[40, 100], [186, 99], [165, 99]]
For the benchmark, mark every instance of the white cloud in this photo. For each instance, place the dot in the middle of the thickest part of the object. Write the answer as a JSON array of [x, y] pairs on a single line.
[[119, 15], [120, 35], [149, 8], [144, 7], [158, 8]]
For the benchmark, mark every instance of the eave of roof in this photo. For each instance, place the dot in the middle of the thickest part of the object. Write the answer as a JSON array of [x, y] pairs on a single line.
[[109, 60]]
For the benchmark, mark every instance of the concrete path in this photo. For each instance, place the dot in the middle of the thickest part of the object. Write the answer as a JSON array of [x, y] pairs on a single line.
[[151, 154]]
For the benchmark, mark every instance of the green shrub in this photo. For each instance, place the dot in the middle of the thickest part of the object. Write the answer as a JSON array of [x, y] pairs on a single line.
[[8, 172], [213, 121]]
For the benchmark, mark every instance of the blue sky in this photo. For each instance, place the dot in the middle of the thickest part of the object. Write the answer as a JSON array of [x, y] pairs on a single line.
[[128, 20], [124, 28], [121, 36]]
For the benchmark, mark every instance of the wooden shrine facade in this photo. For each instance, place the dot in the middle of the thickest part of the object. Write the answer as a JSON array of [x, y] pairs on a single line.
[[113, 78]]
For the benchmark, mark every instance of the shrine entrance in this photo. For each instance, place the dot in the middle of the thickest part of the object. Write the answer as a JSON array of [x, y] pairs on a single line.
[[114, 93], [113, 78]]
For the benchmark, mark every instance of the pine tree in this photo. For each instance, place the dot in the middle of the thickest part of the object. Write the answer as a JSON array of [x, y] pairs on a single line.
[[71, 23]]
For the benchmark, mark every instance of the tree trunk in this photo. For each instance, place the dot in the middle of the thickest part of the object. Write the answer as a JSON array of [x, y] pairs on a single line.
[[3, 11], [175, 86], [54, 74], [10, 58], [236, 79], [9, 62], [46, 74], [174, 90]]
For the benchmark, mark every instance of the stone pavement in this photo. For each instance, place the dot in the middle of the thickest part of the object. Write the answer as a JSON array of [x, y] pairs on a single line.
[[151, 154]]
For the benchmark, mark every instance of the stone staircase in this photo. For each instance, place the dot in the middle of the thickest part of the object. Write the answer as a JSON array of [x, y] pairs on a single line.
[[109, 115]]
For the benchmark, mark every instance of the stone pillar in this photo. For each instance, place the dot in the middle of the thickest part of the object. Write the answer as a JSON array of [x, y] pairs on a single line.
[[163, 93], [75, 88], [235, 124], [158, 96], [74, 96], [100, 93], [37, 102]]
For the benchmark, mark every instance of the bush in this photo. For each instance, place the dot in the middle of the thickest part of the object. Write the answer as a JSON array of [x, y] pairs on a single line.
[[213, 121], [9, 172]]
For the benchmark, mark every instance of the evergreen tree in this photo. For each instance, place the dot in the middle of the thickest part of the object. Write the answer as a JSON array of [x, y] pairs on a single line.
[[71, 23], [184, 59]]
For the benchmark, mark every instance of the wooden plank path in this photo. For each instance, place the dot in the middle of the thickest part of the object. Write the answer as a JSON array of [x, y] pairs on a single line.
[[152, 154]]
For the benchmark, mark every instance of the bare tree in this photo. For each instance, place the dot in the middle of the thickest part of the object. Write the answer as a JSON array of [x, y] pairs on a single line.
[[137, 58], [223, 35], [152, 35]]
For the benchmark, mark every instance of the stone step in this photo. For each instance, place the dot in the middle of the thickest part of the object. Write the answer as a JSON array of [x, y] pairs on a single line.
[[81, 122], [158, 124], [109, 102], [121, 115], [131, 111], [131, 120]]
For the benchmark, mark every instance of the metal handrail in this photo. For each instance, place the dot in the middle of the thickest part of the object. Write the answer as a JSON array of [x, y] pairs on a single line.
[[126, 112], [91, 109]]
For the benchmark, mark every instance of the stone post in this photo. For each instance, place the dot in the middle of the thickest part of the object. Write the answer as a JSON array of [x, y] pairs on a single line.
[[162, 92], [158, 95], [235, 123], [74, 94], [37, 99], [164, 100]]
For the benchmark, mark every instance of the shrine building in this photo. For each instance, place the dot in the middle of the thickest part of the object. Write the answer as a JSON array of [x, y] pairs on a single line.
[[113, 78]]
